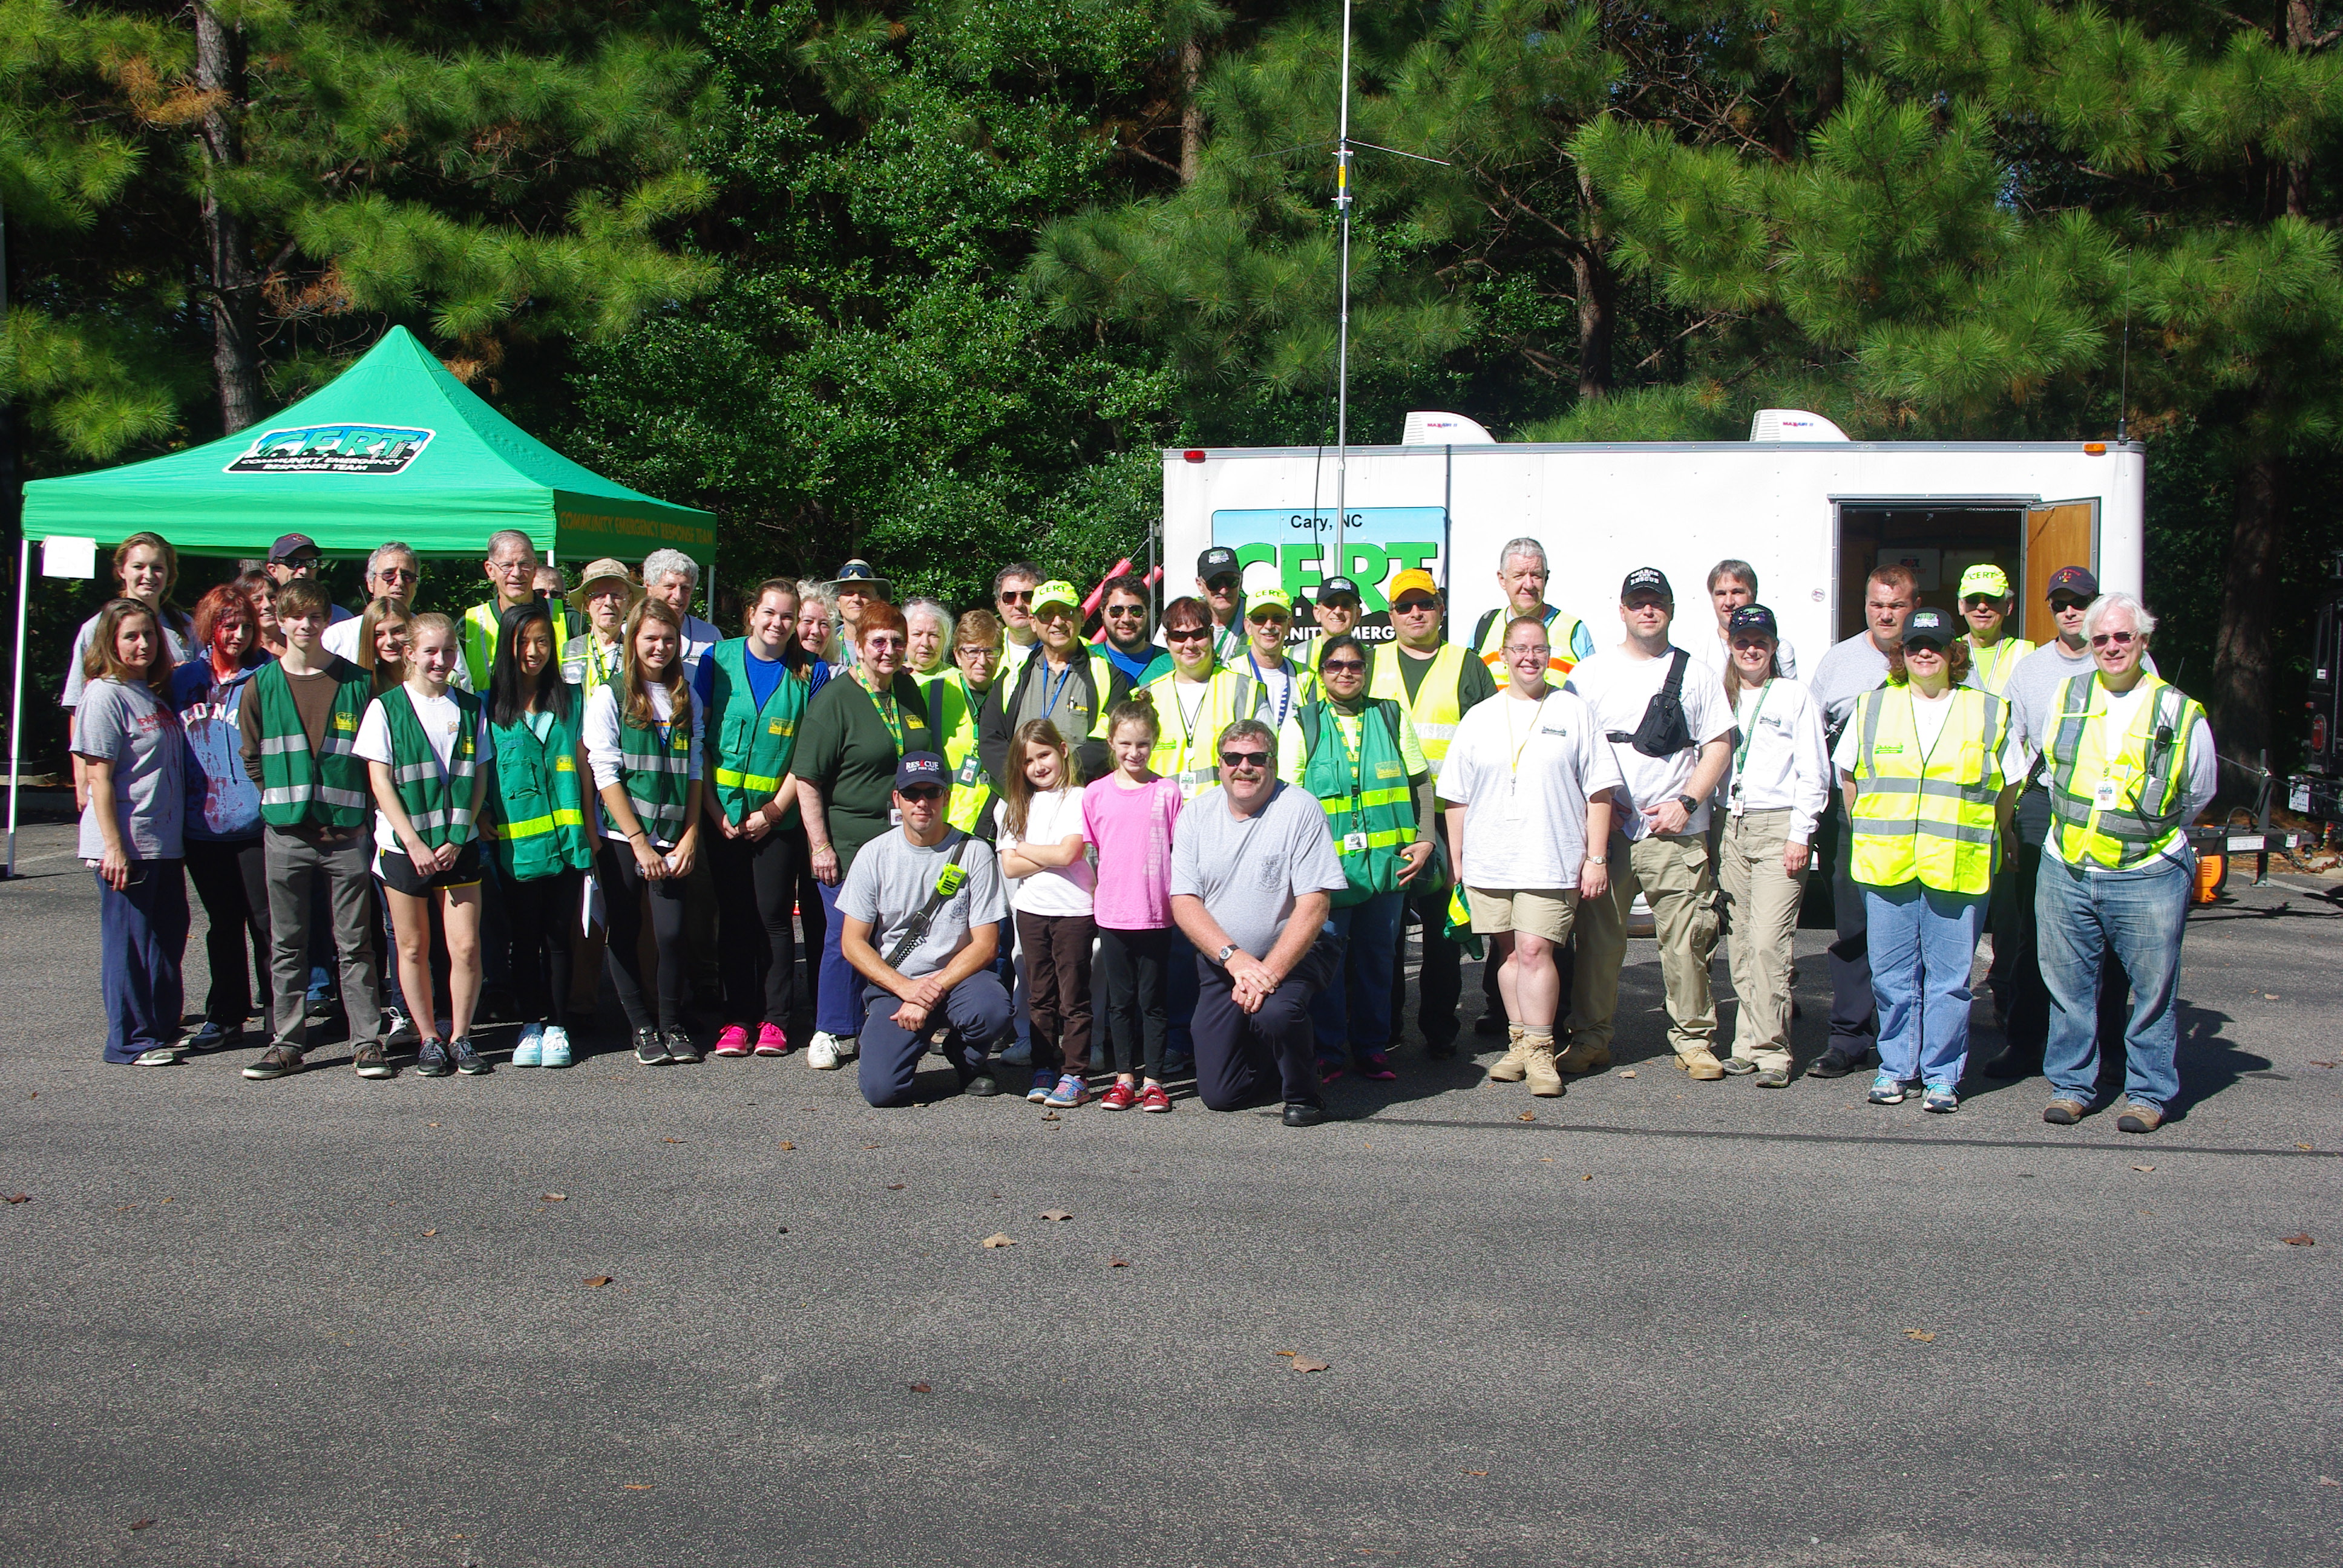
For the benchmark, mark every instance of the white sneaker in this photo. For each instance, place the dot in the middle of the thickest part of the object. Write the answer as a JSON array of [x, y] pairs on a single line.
[[821, 1052], [530, 1048], [554, 1052]]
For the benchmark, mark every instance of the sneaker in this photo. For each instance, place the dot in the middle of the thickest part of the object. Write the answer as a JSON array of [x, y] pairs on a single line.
[[1329, 1068], [1700, 1064], [2138, 1118], [374, 1061], [1941, 1099], [469, 1059], [2065, 1112], [1739, 1066], [556, 1050], [1070, 1091], [212, 1036], [431, 1060], [398, 1030], [1514, 1065], [821, 1052], [1377, 1066], [733, 1040], [276, 1061], [1019, 1055], [1582, 1057], [1771, 1078], [1886, 1090], [1043, 1081], [531, 1050], [650, 1048], [1545, 1079], [772, 1040], [679, 1046], [161, 1056], [1119, 1096], [1152, 1098]]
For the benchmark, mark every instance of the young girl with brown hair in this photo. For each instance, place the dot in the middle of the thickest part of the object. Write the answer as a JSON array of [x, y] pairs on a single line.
[[1044, 855]]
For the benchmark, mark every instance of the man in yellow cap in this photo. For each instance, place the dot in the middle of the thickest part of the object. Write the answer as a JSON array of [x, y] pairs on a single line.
[[1985, 604], [1072, 687], [1436, 682], [1282, 685]]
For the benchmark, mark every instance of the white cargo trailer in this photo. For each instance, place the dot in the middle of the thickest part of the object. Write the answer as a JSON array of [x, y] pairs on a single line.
[[1813, 511]]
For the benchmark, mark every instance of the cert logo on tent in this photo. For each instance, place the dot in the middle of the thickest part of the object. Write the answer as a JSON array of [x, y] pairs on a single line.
[[333, 449]]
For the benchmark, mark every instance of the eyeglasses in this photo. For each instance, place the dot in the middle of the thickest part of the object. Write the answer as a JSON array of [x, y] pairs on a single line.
[[973, 650], [1119, 610], [922, 792], [1343, 667], [1414, 606], [1538, 650], [2119, 638], [1016, 596], [1244, 759], [1186, 633]]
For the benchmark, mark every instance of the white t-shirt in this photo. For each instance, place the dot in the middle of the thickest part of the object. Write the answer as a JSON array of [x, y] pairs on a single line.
[[1619, 688], [1928, 716], [341, 640], [439, 717], [1051, 818], [1277, 703], [1524, 770], [599, 731], [1779, 761]]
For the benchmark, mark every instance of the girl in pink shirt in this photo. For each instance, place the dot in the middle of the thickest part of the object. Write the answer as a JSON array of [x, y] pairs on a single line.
[[1128, 817]]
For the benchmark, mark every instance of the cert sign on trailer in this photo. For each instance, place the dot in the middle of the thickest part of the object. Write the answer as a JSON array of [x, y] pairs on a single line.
[[1293, 549]]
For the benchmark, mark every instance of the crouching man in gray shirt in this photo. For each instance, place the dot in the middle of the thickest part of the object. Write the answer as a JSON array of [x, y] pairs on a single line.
[[924, 907], [1252, 867]]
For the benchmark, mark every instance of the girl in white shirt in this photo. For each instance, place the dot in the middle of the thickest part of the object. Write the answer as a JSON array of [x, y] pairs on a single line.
[[1045, 853], [1775, 789]]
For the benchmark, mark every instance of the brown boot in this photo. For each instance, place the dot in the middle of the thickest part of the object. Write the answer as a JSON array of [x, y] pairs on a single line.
[[2135, 1117], [1514, 1064], [1583, 1056], [1701, 1063], [1544, 1081]]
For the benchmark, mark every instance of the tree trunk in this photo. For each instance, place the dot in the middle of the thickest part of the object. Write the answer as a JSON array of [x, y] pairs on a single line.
[[235, 285], [2242, 661], [1191, 113], [1598, 300]]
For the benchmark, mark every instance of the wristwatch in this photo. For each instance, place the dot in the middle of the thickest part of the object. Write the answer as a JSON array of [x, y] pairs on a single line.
[[1223, 956], [1598, 860], [1688, 803]]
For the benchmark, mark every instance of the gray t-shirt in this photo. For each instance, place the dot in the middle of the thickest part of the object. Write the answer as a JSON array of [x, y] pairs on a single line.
[[889, 882], [136, 731], [1848, 670], [1249, 870]]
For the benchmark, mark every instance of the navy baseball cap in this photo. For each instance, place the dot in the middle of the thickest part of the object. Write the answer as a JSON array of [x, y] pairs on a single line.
[[919, 767], [1929, 625], [1216, 562], [1647, 579], [1334, 588], [1753, 618], [2076, 580], [287, 545]]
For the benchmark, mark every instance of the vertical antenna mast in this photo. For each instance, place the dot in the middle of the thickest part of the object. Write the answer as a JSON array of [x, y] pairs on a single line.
[[1342, 319]]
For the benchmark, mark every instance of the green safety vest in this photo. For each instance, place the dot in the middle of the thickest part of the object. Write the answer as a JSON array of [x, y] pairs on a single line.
[[1369, 810], [1929, 818], [2142, 780], [296, 788], [534, 816], [951, 711], [477, 638], [656, 773], [438, 803], [1438, 707], [749, 747]]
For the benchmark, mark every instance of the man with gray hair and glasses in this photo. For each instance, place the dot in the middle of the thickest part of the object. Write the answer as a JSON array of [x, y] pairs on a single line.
[[1521, 573], [392, 571], [671, 576], [511, 566]]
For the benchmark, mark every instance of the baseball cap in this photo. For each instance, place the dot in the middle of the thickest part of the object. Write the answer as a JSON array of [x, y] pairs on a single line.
[[1220, 559], [1056, 590], [2076, 580], [1929, 625], [919, 767], [1415, 579], [1339, 588], [1986, 578], [1647, 580], [287, 545], [1755, 619], [1262, 598]]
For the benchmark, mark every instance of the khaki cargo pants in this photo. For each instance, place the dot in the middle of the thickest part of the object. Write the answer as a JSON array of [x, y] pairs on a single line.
[[1761, 908], [1673, 875]]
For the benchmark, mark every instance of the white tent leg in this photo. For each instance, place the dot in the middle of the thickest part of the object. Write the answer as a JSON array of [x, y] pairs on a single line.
[[17, 702]]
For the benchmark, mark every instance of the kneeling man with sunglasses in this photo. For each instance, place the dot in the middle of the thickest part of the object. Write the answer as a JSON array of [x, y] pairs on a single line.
[[1253, 870], [924, 907]]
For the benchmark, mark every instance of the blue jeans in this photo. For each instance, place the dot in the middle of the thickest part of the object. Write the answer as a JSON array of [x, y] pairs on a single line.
[[2138, 915], [142, 936], [1922, 942], [1354, 1017]]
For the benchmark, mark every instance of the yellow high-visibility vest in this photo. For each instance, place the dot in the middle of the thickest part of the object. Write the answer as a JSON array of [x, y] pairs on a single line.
[[1991, 667], [1188, 727], [1928, 818], [1437, 707], [2122, 808]]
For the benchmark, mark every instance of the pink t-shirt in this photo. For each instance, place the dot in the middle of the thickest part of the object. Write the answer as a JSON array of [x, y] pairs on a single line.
[[1131, 830]]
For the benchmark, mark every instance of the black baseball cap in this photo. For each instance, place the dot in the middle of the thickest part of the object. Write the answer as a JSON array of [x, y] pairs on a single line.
[[919, 767], [2076, 580], [287, 545], [1647, 579], [1755, 619], [1215, 561], [1929, 625], [1339, 588]]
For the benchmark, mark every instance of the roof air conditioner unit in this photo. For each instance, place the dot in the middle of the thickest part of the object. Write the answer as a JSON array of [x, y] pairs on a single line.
[[1428, 429], [1792, 424]]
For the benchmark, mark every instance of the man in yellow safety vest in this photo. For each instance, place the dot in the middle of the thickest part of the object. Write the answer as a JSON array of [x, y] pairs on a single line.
[[1521, 573], [511, 566]]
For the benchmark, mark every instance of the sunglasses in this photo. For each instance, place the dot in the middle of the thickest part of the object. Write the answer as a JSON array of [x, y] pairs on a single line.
[[2061, 606], [1223, 583], [1981, 601], [2118, 639], [922, 792], [1185, 633], [1244, 759], [1414, 606], [1126, 610], [1268, 617], [1016, 596], [1343, 666], [397, 574], [1911, 647]]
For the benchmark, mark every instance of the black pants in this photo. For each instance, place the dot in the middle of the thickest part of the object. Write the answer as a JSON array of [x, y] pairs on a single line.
[[540, 914], [1235, 1049], [232, 880], [756, 945], [1057, 953], [623, 890], [1132, 979], [1854, 1013], [1440, 979], [812, 914]]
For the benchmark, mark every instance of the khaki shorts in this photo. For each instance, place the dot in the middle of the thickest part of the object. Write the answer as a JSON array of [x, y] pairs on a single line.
[[1541, 911]]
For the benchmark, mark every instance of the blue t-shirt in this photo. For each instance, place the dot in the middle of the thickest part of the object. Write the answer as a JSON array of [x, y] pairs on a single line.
[[764, 674]]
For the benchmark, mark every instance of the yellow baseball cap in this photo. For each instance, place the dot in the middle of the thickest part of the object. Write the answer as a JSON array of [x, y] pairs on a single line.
[[1415, 579], [1056, 590], [1986, 578], [1262, 598]]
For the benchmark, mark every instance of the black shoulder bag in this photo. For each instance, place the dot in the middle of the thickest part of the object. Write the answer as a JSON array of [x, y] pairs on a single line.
[[1663, 731], [949, 880]]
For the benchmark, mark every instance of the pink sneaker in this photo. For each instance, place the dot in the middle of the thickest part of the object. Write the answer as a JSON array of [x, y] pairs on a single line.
[[772, 1040], [733, 1041]]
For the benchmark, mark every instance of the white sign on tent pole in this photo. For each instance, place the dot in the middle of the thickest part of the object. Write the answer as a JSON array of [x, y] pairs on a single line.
[[63, 556]]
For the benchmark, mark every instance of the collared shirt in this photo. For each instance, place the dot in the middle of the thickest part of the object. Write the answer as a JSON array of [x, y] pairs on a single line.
[[1779, 759]]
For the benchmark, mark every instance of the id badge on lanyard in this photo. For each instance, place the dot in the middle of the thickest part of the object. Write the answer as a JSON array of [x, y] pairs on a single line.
[[1355, 843]]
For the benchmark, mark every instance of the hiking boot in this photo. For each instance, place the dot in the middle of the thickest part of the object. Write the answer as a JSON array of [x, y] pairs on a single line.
[[276, 1061], [1514, 1064], [2065, 1112], [2138, 1118], [1544, 1081], [1701, 1064], [1584, 1056]]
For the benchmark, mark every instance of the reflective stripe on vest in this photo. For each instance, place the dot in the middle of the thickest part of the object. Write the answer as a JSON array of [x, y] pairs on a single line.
[[1990, 668], [1929, 820], [2147, 770], [656, 773], [951, 712], [1437, 708], [438, 804], [1373, 801], [1188, 749], [749, 747], [1560, 635], [534, 815], [327, 789]]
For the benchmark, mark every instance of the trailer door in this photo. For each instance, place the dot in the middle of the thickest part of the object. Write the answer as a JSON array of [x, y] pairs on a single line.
[[2058, 534]]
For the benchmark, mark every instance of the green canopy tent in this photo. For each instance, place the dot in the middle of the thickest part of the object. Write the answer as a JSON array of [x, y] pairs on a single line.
[[395, 448]]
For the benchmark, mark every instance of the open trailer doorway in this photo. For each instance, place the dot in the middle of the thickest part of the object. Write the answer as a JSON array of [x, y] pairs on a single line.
[[1940, 538]]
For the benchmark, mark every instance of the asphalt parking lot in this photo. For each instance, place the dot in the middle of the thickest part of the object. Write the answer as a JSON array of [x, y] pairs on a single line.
[[324, 1320]]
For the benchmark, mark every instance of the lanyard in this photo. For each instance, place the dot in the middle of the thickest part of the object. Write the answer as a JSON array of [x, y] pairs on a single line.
[[1749, 734], [1188, 716], [602, 671], [2000, 655], [1293, 684], [890, 713], [1050, 694], [1537, 711]]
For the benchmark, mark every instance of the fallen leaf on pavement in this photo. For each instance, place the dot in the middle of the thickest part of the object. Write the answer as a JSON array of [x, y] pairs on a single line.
[[871, 1146], [1527, 1116], [435, 1124], [433, 1232], [999, 1240], [1056, 1214], [2303, 1240], [1629, 1073], [20, 1196], [1545, 1159], [2329, 1481], [1289, 1353], [555, 1197], [1920, 1335], [1118, 1262], [2143, 1166], [1476, 1473], [894, 1186], [921, 1388], [596, 1281], [1303, 1363], [1048, 1116], [782, 1231], [142, 1524], [2270, 996], [638, 1486], [1586, 1177], [671, 1139], [2322, 1064], [786, 1144]]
